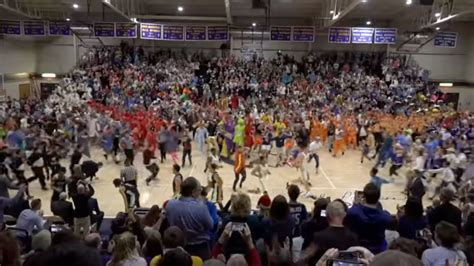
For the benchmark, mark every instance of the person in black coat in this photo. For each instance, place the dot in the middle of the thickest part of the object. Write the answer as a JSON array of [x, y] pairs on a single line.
[[63, 208]]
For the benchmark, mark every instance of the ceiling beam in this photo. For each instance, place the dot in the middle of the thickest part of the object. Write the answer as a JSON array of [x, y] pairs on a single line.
[[347, 9], [227, 12], [448, 18], [4, 5], [109, 4], [190, 18]]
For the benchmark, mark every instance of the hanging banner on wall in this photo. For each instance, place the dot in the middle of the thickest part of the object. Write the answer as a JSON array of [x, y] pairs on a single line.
[[59, 28], [385, 36], [280, 33], [34, 28], [173, 32], [150, 31], [11, 27], [446, 39], [217, 33], [339, 35], [195, 33], [362, 35], [104, 29], [302, 34], [126, 30]]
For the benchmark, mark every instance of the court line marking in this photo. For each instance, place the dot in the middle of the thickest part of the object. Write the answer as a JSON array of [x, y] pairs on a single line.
[[192, 170], [327, 178]]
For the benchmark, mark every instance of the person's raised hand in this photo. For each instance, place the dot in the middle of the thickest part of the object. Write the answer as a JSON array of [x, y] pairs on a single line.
[[226, 233], [247, 236]]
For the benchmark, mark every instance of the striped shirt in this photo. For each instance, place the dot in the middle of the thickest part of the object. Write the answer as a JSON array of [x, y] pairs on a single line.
[[128, 173]]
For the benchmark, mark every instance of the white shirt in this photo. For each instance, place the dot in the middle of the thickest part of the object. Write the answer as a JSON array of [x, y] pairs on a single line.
[[446, 174], [419, 164], [314, 146]]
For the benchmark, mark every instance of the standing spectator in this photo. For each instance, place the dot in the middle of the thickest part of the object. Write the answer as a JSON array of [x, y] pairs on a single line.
[[129, 193], [447, 236], [96, 214], [63, 208], [129, 174], [187, 149], [7, 202], [5, 183], [31, 219], [412, 219], [9, 249], [90, 168], [336, 235], [297, 210], [82, 221], [75, 158], [280, 224], [446, 211], [317, 223], [369, 221], [192, 216], [125, 252], [177, 180], [58, 184]]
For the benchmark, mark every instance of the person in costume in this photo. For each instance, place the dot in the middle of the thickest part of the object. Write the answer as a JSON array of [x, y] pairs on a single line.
[[239, 133], [339, 145], [239, 167]]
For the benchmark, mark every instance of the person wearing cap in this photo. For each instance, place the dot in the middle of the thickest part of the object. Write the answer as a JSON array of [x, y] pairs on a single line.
[[446, 211], [263, 204], [63, 208]]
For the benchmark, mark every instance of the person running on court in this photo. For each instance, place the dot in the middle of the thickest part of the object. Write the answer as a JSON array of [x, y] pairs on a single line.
[[260, 169], [239, 167], [149, 160], [314, 146], [130, 194], [177, 180]]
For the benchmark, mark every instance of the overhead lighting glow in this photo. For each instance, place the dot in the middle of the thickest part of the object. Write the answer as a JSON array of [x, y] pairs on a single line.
[[76, 6], [68, 19], [254, 24], [368, 22], [331, 12], [48, 75], [437, 28], [438, 15], [364, 1], [180, 8], [447, 84], [409, 2], [134, 20]]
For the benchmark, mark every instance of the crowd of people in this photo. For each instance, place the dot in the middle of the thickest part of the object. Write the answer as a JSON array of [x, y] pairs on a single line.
[[247, 113]]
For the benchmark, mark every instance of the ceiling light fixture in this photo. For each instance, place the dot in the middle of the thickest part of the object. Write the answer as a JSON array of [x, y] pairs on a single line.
[[364, 1], [438, 15], [68, 19], [254, 24], [134, 20], [447, 84], [368, 22], [180, 8], [75, 6], [409, 2], [48, 75], [331, 12], [437, 28]]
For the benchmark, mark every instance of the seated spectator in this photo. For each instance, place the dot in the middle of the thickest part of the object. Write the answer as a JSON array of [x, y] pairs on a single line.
[[93, 240], [225, 246], [334, 236], [395, 258], [297, 210], [192, 216], [153, 219], [39, 244], [176, 257], [446, 236], [318, 222], [64, 237], [446, 211], [406, 245], [63, 208], [153, 245], [391, 231], [125, 252], [31, 219], [70, 254], [280, 223], [412, 219], [174, 238], [9, 249], [240, 213], [369, 221]]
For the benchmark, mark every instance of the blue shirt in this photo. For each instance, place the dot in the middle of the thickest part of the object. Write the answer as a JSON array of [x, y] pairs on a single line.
[[378, 181], [29, 220], [191, 216]]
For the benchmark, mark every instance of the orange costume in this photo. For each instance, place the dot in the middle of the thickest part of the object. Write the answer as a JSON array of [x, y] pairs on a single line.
[[339, 144], [352, 136]]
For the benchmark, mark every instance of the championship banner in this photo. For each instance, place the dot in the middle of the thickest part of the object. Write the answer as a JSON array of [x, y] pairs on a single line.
[[195, 33], [385, 36], [104, 29], [59, 28], [126, 30], [173, 32], [150, 31], [280, 33], [446, 39], [302, 34], [217, 33], [34, 28], [10, 27], [362, 35], [339, 35]]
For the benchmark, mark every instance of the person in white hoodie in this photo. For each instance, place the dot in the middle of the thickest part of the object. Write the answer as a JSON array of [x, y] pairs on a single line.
[[314, 146]]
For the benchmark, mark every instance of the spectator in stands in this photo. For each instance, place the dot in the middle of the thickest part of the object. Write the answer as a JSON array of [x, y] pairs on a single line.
[[192, 216], [39, 244], [395, 258], [174, 238], [446, 236], [334, 236], [93, 240], [153, 245], [317, 223], [5, 183], [406, 245], [31, 219], [412, 219], [63, 208], [9, 250], [211, 207], [369, 221], [125, 252], [153, 219], [280, 223], [70, 254], [96, 214], [7, 202], [82, 221], [240, 213], [177, 181], [90, 168], [263, 204], [176, 257], [297, 210], [446, 211], [58, 184]]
